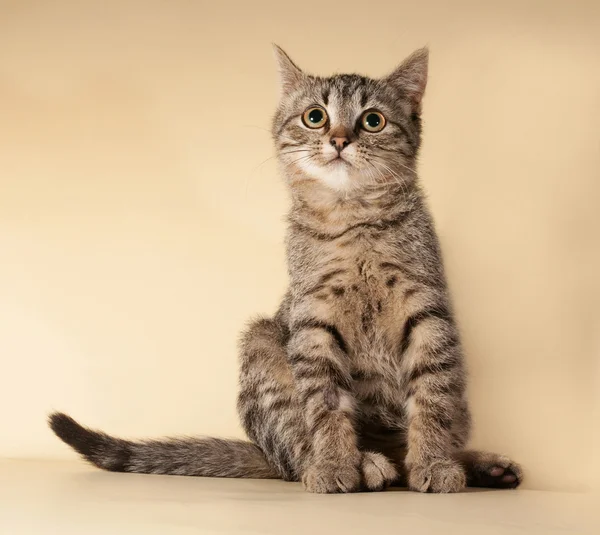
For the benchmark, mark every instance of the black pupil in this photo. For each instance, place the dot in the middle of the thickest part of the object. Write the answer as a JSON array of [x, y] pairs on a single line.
[[373, 120], [315, 116]]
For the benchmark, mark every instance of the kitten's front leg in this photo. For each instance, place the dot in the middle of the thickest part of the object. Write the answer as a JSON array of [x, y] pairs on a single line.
[[317, 355], [433, 360]]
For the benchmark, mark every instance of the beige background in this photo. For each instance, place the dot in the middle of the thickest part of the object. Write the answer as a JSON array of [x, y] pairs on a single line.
[[140, 225]]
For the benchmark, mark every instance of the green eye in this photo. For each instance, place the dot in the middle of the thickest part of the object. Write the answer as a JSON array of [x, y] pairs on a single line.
[[373, 121], [314, 117]]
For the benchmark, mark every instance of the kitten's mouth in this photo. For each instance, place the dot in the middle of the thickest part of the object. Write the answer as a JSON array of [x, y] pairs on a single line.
[[338, 160]]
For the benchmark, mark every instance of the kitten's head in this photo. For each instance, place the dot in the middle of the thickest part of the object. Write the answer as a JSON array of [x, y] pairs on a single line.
[[348, 131]]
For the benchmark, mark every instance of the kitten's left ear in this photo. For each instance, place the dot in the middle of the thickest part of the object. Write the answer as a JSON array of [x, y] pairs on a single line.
[[411, 76], [290, 74]]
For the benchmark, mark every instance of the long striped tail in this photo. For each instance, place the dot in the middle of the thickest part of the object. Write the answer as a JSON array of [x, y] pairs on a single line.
[[208, 457]]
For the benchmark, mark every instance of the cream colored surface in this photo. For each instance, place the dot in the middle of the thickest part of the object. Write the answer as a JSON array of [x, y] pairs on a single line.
[[140, 225], [67, 498]]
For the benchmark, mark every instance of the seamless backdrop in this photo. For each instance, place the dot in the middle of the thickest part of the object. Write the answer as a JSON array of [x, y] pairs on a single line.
[[141, 219]]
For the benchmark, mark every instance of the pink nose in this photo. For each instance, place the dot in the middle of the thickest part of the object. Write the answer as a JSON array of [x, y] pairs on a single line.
[[340, 143]]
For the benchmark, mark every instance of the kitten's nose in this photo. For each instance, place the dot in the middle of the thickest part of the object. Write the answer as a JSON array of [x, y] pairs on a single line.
[[340, 143]]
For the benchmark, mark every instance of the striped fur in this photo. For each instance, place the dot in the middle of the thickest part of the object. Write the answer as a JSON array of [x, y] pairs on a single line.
[[358, 381]]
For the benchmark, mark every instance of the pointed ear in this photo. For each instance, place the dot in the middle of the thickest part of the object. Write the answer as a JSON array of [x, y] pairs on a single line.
[[411, 76], [290, 74]]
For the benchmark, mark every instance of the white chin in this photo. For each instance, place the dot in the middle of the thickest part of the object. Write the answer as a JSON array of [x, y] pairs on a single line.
[[335, 174]]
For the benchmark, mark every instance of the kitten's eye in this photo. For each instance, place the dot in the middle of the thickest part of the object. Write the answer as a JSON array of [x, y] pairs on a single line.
[[373, 121], [314, 117]]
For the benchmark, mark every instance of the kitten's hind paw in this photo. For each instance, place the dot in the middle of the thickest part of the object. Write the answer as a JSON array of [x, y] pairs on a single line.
[[491, 470]]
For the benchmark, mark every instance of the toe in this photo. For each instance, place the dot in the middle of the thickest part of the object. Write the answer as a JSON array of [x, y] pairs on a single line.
[[440, 477], [377, 471], [496, 471]]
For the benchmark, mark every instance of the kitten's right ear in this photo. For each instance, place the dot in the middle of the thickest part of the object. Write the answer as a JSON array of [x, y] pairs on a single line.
[[290, 74]]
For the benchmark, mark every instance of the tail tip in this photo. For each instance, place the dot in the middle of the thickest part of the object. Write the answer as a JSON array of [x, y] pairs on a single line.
[[98, 448], [64, 426]]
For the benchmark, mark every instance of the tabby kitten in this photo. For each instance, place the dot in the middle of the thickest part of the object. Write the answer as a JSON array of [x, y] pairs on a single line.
[[358, 381]]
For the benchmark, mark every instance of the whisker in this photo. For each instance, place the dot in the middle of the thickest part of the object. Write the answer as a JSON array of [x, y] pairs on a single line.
[[409, 169], [377, 171], [268, 131], [372, 177], [279, 154], [401, 178], [301, 158], [397, 178], [247, 181]]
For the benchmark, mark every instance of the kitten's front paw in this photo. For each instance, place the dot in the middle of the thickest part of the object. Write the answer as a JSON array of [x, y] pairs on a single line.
[[441, 476], [331, 478], [377, 471]]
